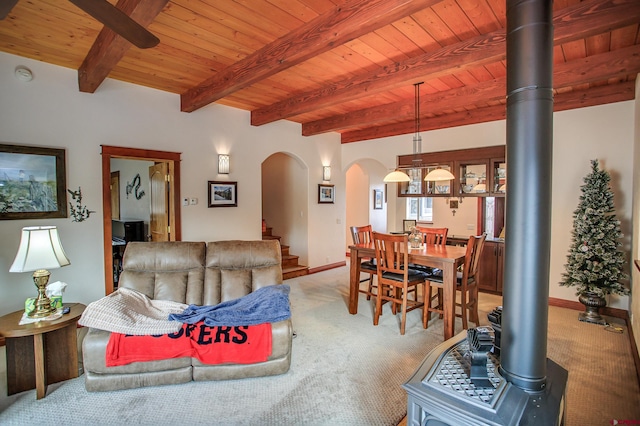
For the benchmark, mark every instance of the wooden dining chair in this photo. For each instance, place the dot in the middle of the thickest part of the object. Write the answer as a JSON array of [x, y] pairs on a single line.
[[395, 279], [437, 236], [433, 235], [362, 235], [466, 284]]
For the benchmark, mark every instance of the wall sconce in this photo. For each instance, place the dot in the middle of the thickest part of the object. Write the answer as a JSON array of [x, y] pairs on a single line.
[[326, 173], [223, 164]]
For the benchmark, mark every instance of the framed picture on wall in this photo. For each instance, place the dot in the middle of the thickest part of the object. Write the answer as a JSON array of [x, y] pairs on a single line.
[[223, 194], [407, 224], [377, 199], [32, 182], [326, 194]]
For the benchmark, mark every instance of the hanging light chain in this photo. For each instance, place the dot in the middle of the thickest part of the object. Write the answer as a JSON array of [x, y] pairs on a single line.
[[417, 139]]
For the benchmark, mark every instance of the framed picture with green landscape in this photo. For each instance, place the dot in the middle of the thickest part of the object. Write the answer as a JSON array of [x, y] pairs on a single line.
[[32, 182]]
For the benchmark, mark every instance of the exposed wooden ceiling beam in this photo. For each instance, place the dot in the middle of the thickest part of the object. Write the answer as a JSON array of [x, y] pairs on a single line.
[[614, 64], [345, 22], [586, 18], [562, 101], [109, 48]]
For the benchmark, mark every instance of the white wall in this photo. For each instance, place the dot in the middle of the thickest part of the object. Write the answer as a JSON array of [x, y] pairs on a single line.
[[604, 132], [50, 111]]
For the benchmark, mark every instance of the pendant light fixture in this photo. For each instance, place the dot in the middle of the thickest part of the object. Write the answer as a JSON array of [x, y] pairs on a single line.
[[438, 175], [397, 175]]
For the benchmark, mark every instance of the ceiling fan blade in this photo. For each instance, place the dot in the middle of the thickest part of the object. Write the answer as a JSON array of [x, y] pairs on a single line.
[[118, 21], [5, 7]]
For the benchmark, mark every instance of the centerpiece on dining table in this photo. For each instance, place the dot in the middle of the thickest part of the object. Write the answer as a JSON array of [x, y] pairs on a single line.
[[415, 238]]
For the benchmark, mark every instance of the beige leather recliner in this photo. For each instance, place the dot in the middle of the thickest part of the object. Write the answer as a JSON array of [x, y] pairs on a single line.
[[191, 273]]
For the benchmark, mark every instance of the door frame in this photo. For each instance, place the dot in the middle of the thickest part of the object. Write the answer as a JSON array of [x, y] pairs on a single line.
[[109, 152]]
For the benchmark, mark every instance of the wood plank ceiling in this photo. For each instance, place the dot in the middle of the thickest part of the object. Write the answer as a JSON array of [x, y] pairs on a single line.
[[335, 65]]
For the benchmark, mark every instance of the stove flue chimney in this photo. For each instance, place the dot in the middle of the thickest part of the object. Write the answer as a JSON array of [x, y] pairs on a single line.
[[528, 205], [522, 387]]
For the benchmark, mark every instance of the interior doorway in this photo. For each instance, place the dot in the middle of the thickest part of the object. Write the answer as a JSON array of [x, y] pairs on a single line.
[[285, 206], [170, 161]]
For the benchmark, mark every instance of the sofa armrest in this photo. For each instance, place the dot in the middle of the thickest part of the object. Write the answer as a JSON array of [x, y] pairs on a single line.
[[94, 347], [281, 337]]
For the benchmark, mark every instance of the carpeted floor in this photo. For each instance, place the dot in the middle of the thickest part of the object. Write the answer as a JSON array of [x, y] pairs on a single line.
[[344, 371]]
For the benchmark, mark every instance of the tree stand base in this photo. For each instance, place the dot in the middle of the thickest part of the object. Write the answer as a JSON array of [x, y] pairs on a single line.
[[592, 317], [592, 303]]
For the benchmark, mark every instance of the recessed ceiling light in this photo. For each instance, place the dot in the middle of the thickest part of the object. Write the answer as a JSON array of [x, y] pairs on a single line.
[[23, 73]]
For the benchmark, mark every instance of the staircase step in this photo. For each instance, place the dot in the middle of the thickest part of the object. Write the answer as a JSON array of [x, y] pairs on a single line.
[[290, 266], [295, 271], [289, 261]]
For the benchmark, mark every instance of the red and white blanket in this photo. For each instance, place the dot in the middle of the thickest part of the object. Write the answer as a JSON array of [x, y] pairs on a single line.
[[210, 345]]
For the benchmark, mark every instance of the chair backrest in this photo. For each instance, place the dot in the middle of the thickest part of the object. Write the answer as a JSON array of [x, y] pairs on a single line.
[[235, 268], [392, 253], [472, 257], [169, 270], [434, 235], [361, 234]]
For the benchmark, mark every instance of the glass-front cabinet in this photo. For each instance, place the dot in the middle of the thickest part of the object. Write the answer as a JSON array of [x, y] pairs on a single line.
[[478, 172], [499, 173], [415, 187], [440, 188], [418, 187], [473, 178]]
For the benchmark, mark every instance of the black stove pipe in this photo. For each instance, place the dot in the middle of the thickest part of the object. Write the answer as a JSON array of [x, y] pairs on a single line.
[[528, 205]]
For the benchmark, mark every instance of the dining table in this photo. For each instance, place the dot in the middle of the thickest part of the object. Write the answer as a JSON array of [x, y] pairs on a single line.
[[444, 257]]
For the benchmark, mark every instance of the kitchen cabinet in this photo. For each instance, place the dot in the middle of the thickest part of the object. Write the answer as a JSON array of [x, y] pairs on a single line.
[[418, 187], [478, 172], [491, 267]]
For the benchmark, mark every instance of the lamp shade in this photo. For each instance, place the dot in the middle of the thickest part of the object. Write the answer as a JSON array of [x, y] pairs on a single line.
[[397, 176], [438, 175], [40, 248], [223, 164], [481, 187], [326, 173]]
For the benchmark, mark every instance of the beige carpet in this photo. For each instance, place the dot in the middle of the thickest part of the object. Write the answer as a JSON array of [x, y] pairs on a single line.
[[344, 371], [602, 384]]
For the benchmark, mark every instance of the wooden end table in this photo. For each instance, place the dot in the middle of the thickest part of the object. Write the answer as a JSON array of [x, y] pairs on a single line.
[[40, 353]]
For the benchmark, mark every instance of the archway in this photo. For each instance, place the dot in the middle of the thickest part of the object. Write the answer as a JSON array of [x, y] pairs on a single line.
[[363, 178], [285, 203]]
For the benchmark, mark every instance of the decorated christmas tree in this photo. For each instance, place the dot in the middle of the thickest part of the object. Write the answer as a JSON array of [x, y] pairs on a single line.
[[595, 263]]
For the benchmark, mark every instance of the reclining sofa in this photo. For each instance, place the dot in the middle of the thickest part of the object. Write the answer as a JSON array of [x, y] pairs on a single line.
[[191, 273]]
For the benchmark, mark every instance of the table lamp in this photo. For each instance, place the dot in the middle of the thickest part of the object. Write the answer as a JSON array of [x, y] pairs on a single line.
[[40, 249]]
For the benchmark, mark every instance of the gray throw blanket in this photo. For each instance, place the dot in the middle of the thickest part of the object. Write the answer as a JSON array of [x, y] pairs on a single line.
[[267, 304]]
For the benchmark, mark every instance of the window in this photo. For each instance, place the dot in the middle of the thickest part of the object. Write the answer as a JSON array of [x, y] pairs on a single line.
[[489, 216], [420, 209]]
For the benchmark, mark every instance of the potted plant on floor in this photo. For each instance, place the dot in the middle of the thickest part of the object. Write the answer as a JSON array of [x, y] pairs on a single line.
[[595, 264]]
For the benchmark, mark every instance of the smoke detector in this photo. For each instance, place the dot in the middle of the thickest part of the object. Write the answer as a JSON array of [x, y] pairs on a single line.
[[23, 73]]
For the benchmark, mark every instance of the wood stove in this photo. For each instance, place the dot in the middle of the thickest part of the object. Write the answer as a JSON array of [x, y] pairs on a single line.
[[522, 386]]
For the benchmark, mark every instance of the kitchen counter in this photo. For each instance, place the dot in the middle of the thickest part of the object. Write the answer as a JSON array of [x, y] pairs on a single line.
[[461, 240]]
